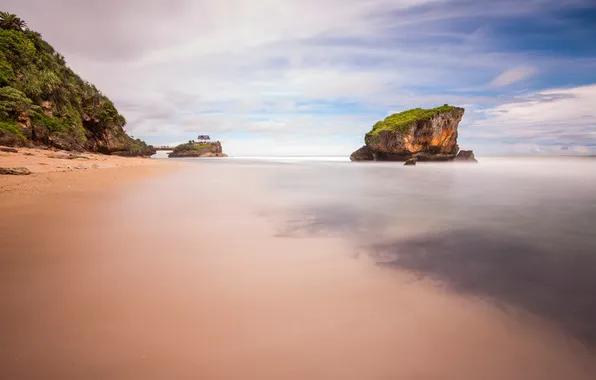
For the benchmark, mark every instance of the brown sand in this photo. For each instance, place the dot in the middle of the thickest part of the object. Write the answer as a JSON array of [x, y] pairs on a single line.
[[54, 177], [99, 281]]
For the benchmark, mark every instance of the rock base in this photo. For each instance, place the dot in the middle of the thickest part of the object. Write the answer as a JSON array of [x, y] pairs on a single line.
[[362, 154], [466, 156]]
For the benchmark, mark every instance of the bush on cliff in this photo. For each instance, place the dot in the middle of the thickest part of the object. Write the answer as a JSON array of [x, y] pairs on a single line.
[[42, 101]]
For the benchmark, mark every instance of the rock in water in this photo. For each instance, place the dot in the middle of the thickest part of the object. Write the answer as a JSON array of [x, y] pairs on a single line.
[[362, 154], [14, 171], [466, 156], [427, 134], [411, 161], [198, 149]]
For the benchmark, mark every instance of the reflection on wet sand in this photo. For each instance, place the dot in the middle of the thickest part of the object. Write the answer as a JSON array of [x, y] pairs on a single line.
[[175, 277], [556, 283]]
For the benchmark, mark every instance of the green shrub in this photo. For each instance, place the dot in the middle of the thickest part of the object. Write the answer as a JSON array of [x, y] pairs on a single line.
[[12, 128], [6, 72], [54, 125], [12, 103], [17, 48]]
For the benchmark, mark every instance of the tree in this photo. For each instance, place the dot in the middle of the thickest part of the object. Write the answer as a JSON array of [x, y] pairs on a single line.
[[11, 21]]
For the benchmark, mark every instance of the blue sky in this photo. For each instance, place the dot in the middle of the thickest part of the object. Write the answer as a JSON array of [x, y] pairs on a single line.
[[274, 77]]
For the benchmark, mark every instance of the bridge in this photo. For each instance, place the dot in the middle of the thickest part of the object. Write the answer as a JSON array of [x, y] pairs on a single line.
[[164, 147]]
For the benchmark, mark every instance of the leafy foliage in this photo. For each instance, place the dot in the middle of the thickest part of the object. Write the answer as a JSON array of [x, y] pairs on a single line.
[[54, 125], [11, 21], [36, 86], [13, 103], [12, 128]]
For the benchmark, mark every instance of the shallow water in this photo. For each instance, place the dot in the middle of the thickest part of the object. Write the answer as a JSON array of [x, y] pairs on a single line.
[[320, 269]]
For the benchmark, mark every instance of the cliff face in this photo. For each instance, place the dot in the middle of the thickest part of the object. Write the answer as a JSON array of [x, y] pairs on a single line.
[[43, 102], [426, 134], [198, 149]]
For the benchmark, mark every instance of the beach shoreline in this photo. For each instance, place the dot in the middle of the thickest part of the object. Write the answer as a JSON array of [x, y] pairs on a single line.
[[55, 174]]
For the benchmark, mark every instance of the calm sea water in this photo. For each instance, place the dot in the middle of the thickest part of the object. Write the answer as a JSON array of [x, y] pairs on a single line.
[[519, 232]]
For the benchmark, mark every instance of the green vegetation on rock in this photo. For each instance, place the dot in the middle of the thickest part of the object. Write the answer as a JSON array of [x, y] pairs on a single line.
[[191, 145], [42, 101], [11, 127], [401, 122]]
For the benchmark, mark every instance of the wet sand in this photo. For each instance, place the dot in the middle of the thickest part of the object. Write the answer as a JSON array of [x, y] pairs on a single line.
[[173, 275]]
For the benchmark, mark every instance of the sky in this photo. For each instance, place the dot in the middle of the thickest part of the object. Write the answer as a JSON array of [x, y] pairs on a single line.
[[311, 77]]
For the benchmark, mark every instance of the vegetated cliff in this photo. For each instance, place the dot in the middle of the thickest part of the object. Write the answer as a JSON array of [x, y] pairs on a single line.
[[426, 134], [198, 149], [43, 102]]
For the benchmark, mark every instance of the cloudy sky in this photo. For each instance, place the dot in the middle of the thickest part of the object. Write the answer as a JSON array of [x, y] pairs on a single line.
[[272, 77]]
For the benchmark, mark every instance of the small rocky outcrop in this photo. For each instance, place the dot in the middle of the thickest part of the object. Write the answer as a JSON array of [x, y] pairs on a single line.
[[466, 156], [362, 154], [14, 171], [198, 149], [411, 161], [8, 150], [424, 134]]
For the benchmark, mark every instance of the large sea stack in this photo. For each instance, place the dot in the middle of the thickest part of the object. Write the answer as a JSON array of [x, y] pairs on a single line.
[[424, 134], [44, 103], [198, 149]]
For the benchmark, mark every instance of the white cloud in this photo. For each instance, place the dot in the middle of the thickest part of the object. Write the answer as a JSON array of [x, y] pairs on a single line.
[[513, 75], [559, 106], [548, 121]]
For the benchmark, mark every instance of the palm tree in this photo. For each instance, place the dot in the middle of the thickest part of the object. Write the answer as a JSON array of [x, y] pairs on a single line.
[[10, 21]]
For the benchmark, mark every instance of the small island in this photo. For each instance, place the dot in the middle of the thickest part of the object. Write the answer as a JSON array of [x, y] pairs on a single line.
[[200, 148], [417, 134]]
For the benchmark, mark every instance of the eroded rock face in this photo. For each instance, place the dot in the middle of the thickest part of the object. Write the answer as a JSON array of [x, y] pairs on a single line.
[[432, 136], [197, 149], [466, 156], [112, 140]]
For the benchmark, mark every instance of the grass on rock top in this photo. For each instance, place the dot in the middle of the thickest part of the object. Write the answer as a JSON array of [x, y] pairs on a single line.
[[202, 146], [191, 146], [401, 122]]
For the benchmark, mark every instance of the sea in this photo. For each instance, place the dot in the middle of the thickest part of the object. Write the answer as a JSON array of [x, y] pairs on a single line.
[[518, 232]]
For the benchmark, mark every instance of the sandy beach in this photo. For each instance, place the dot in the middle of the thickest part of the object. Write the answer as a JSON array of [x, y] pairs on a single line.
[[58, 173], [150, 269], [54, 170]]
